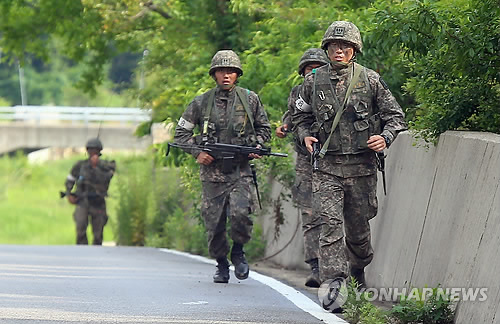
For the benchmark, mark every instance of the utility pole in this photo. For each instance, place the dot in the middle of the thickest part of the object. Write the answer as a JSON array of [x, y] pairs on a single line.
[[143, 62], [22, 85]]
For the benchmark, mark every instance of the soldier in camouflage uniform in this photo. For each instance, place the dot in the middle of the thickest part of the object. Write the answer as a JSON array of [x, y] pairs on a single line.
[[344, 187], [92, 177], [302, 191], [231, 115]]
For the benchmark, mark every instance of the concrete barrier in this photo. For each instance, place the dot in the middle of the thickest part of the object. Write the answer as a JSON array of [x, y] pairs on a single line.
[[19, 135], [439, 223]]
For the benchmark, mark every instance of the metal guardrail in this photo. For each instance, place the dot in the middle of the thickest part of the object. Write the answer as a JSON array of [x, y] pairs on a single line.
[[85, 114]]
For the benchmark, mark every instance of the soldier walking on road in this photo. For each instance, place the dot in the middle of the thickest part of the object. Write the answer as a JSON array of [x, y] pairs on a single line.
[[302, 192], [227, 114], [92, 177], [355, 115]]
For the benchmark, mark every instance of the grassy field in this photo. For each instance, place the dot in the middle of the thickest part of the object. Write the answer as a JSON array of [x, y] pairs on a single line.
[[31, 211]]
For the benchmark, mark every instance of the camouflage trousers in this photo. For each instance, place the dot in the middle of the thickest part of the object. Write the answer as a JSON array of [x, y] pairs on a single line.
[[302, 196], [224, 201], [98, 218], [345, 205]]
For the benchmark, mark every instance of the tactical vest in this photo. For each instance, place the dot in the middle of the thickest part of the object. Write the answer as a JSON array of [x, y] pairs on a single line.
[[358, 122], [237, 129], [93, 183]]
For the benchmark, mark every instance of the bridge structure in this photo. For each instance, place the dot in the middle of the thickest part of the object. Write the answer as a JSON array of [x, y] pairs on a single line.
[[36, 127]]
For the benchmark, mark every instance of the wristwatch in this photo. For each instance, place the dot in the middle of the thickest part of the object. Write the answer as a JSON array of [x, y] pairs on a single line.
[[387, 140]]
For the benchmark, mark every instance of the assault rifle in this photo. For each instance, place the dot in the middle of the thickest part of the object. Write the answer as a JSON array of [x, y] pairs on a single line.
[[381, 167], [227, 152], [89, 195], [315, 154]]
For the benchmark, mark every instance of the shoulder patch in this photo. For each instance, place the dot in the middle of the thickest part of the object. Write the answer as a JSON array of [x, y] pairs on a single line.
[[302, 105], [186, 124], [382, 82]]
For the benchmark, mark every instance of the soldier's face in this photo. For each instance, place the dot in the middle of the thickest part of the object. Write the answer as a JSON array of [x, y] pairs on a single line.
[[93, 151], [339, 51], [226, 77], [310, 67]]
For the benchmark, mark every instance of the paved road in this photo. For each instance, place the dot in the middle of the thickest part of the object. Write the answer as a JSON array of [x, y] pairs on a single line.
[[87, 284]]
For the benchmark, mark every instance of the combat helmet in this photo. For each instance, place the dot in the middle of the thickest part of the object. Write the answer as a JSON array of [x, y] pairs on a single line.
[[94, 143], [312, 55], [226, 59], [344, 31]]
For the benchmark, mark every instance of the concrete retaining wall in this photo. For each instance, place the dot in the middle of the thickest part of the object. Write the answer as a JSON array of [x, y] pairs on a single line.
[[439, 223]]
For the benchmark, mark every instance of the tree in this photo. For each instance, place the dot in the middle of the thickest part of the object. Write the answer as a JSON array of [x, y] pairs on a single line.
[[452, 48]]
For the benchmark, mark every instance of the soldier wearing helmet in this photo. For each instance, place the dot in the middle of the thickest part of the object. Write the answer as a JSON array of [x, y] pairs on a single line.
[[368, 119], [313, 58], [92, 177], [231, 115]]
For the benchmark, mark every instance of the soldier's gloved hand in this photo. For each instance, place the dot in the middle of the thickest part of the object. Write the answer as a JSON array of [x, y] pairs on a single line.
[[255, 156], [281, 131], [376, 143], [308, 141], [72, 199], [204, 158]]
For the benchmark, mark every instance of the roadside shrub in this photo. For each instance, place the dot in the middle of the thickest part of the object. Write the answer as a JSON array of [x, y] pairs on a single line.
[[134, 189]]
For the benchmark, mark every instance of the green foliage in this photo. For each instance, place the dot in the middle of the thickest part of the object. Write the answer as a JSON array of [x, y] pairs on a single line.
[[434, 308], [4, 102], [134, 188], [358, 310], [452, 48], [181, 232], [256, 247]]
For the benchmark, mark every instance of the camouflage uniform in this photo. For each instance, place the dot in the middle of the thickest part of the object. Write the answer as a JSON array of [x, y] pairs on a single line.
[[91, 189], [344, 187], [225, 195], [302, 190]]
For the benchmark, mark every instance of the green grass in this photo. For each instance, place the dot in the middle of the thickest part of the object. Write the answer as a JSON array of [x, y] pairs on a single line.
[[30, 208]]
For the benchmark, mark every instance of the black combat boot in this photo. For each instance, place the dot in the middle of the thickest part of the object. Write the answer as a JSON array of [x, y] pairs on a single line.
[[239, 261], [222, 273], [313, 279], [359, 275]]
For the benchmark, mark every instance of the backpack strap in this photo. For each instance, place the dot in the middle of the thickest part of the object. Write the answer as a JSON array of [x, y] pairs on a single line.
[[206, 118], [243, 95]]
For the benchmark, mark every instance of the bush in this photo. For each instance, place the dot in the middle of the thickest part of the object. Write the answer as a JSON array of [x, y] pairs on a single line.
[[134, 188], [358, 310], [433, 309], [451, 47]]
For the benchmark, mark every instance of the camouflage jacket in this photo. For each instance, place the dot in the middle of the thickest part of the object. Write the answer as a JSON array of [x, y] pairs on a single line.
[[370, 110], [91, 183], [229, 124], [287, 119]]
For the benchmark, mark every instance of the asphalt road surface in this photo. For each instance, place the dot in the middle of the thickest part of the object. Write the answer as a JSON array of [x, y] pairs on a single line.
[[88, 284]]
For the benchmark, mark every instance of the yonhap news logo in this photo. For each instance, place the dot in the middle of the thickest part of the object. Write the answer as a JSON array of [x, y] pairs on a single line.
[[333, 294]]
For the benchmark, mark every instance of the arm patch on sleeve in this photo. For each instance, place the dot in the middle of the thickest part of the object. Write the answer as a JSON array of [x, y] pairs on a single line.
[[185, 124], [302, 105], [382, 82]]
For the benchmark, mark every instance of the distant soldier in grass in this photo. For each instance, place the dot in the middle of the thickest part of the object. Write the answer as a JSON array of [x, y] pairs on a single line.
[[92, 177]]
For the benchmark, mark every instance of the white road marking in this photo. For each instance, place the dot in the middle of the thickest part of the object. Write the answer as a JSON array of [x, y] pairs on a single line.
[[296, 297]]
